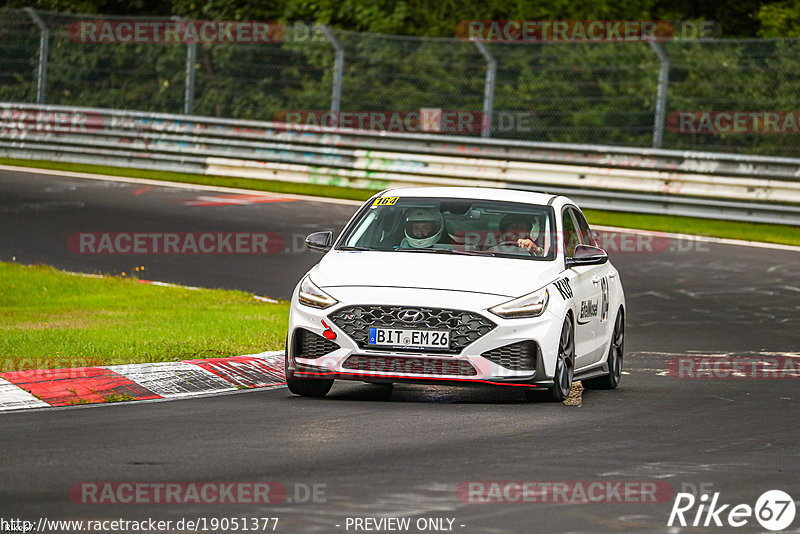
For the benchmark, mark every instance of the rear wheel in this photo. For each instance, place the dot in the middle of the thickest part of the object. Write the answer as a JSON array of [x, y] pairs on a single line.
[[565, 367], [615, 354]]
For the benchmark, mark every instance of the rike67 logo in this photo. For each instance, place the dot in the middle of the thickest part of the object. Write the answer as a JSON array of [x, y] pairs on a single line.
[[774, 510]]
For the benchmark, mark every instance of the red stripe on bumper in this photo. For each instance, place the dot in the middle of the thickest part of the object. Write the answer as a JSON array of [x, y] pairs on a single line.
[[412, 378]]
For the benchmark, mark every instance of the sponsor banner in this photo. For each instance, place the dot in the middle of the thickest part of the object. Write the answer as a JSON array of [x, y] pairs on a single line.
[[724, 367], [22, 120], [177, 493], [565, 491], [734, 122], [175, 243], [175, 31]]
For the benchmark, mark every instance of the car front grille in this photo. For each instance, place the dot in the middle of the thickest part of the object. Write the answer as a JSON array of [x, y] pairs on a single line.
[[519, 356], [409, 366], [464, 327], [310, 345]]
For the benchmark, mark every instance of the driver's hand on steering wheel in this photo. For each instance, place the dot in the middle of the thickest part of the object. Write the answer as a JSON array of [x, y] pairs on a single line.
[[529, 245]]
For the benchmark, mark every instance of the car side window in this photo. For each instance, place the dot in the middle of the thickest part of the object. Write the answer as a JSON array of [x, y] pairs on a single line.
[[585, 234], [570, 234]]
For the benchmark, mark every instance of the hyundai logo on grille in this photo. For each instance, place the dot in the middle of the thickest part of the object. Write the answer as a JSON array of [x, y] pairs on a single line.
[[410, 316]]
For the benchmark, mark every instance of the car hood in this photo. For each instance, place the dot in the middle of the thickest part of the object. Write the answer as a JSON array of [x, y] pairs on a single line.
[[495, 276]]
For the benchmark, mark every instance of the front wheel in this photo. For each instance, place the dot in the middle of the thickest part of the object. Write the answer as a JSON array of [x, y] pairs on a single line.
[[304, 386], [565, 367], [615, 353], [309, 388]]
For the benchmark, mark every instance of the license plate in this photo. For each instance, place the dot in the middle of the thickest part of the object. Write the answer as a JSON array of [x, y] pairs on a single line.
[[397, 337]]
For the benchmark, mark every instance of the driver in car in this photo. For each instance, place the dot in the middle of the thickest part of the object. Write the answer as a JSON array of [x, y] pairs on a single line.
[[423, 228], [524, 229]]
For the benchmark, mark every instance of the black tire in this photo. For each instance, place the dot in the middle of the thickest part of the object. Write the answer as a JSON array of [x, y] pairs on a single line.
[[309, 388], [304, 386], [615, 355], [565, 368]]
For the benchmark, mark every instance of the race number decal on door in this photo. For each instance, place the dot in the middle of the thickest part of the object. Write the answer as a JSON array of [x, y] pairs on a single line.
[[564, 288], [603, 299]]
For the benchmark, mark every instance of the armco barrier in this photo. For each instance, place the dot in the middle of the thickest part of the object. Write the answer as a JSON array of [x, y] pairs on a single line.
[[721, 186]]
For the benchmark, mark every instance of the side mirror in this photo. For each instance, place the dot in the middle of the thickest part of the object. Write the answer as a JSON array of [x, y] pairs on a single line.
[[587, 255], [320, 241]]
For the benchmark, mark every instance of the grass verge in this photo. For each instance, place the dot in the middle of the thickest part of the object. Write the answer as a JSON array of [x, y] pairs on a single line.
[[770, 233], [272, 186], [54, 319]]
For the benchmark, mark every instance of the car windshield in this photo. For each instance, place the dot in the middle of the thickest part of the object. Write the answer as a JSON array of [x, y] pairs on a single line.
[[453, 226]]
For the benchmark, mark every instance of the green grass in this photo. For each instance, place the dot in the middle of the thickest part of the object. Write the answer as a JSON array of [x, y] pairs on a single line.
[[273, 186], [53, 319], [771, 233]]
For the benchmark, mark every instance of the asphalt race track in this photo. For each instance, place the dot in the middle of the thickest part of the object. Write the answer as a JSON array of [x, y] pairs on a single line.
[[405, 454]]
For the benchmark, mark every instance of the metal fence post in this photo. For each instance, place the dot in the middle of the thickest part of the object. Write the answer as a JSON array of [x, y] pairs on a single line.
[[338, 66], [44, 47], [661, 95], [488, 89], [191, 60]]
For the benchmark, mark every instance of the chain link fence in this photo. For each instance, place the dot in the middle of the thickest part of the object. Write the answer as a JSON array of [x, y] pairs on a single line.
[[615, 93]]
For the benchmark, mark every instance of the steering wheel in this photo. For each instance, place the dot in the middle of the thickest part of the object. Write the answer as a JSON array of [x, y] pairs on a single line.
[[505, 246]]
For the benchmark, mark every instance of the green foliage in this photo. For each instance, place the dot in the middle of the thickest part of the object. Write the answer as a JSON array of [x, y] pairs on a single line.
[[597, 93], [781, 19]]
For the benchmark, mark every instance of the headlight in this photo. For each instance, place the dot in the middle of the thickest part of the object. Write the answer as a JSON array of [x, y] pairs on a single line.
[[530, 305], [311, 295]]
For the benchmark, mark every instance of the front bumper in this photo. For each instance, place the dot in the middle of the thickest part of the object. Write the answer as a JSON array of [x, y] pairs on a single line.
[[472, 365]]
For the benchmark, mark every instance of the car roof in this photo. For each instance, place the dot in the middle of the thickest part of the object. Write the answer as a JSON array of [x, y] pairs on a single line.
[[482, 193]]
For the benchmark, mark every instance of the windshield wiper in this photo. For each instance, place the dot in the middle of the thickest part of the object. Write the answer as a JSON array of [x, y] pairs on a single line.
[[446, 251], [359, 249], [472, 252], [426, 249]]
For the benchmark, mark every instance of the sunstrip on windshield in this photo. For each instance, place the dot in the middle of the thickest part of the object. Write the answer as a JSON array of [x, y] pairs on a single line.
[[385, 201]]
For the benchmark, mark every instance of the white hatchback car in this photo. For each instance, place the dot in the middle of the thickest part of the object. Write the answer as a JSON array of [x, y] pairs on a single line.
[[457, 285]]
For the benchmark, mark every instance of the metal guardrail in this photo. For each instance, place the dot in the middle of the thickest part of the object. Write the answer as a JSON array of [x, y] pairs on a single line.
[[709, 185]]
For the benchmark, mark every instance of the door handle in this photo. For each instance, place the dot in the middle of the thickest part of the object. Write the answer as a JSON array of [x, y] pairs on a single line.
[[612, 275], [596, 280]]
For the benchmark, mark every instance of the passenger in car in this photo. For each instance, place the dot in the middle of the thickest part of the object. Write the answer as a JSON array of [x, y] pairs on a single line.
[[423, 228]]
